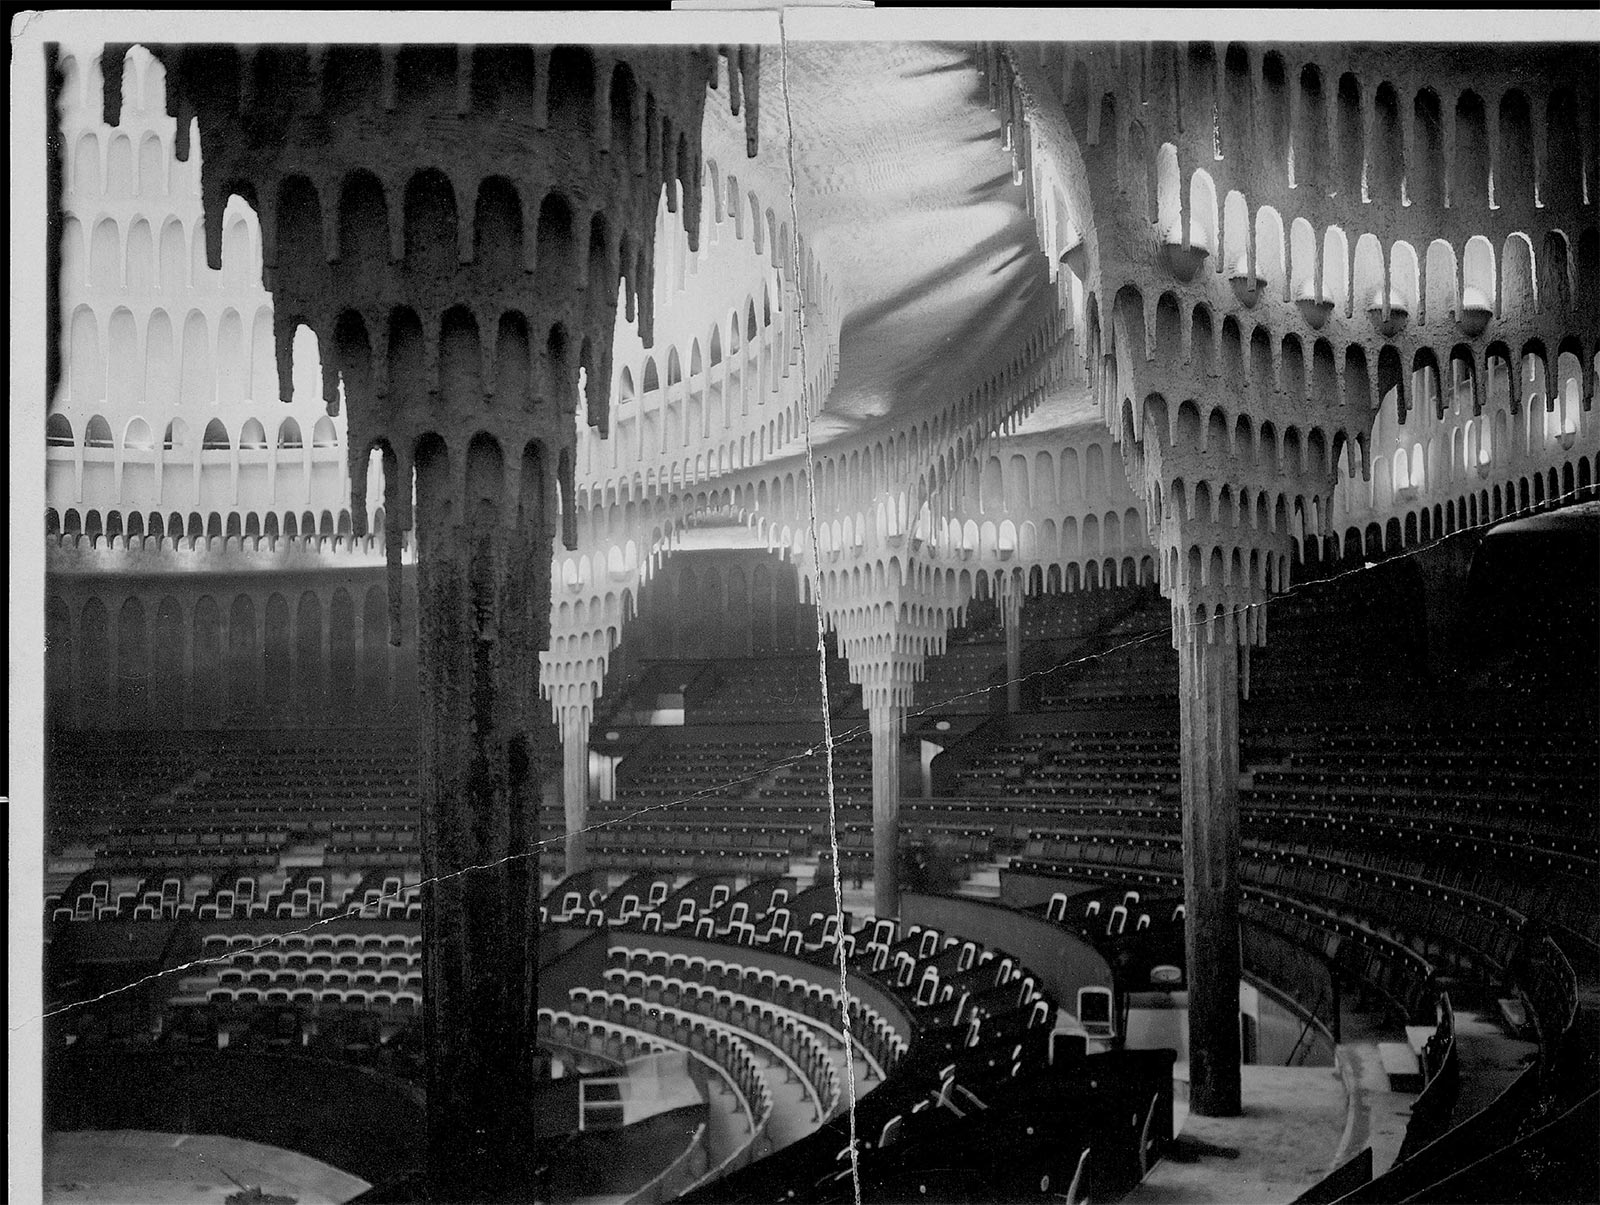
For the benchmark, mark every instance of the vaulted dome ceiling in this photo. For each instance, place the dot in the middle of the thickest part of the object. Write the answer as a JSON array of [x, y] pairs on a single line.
[[905, 189]]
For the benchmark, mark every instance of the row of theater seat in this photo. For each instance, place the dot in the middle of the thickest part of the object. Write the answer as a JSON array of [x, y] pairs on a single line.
[[1135, 763], [1479, 935], [351, 1031], [1526, 871], [805, 780], [594, 1038], [793, 1000], [955, 681], [779, 689], [692, 1022], [819, 1002], [717, 764], [771, 1007], [303, 893], [1337, 643], [978, 1031], [197, 800], [772, 1022], [981, 1002]]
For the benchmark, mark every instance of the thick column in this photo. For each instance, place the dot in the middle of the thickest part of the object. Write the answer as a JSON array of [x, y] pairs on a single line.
[[886, 722], [1013, 626], [575, 784], [483, 585], [1208, 685], [483, 541]]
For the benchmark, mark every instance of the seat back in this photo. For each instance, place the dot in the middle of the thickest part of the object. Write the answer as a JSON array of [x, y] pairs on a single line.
[[1075, 1189], [1095, 1011], [891, 1131]]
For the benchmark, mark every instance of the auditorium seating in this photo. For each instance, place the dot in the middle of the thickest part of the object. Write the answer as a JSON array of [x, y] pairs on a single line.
[[1331, 642], [594, 1039], [956, 680], [777, 688], [201, 802], [1139, 669], [1422, 848], [1124, 659], [380, 971], [818, 1001], [974, 1012], [1476, 936], [714, 763], [804, 780], [1048, 763], [1075, 615], [94, 777]]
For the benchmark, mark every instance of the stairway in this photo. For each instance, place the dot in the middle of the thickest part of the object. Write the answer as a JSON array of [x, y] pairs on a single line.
[[984, 881]]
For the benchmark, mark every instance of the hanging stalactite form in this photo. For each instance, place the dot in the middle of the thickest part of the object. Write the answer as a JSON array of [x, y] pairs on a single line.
[[449, 129], [449, 221]]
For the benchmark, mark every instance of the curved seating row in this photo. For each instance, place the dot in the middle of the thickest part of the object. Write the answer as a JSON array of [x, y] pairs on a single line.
[[879, 1037]]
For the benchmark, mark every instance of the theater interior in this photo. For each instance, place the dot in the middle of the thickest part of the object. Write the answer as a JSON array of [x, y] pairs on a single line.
[[620, 620]]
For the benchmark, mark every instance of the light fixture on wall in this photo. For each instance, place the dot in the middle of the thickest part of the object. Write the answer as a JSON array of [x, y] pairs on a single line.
[[1388, 320], [1475, 313], [1313, 309], [1076, 259], [1246, 284], [1184, 262]]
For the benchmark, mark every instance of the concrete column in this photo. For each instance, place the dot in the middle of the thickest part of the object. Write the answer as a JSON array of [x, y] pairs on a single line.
[[1012, 613], [575, 785], [1208, 684], [885, 721], [483, 591]]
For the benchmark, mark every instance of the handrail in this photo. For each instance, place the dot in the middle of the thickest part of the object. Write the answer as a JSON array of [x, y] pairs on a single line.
[[1251, 928], [1434, 1108], [1409, 1176], [1304, 1030], [758, 1129], [668, 1011], [650, 1192], [1567, 1137]]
